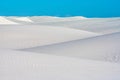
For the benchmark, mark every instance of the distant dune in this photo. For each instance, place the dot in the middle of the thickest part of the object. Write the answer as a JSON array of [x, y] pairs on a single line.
[[97, 25], [47, 19], [4, 21], [36, 19], [26, 19]]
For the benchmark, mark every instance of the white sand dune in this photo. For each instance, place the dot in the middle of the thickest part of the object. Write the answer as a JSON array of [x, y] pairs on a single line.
[[59, 48], [20, 20], [26, 19], [15, 65], [105, 48], [26, 36], [47, 19], [4, 21], [99, 25], [37, 19]]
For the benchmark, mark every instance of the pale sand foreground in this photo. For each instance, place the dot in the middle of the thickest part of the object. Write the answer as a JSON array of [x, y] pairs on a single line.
[[16, 65], [71, 48]]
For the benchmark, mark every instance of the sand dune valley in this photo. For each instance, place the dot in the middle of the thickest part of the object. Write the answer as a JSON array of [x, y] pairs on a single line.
[[59, 48]]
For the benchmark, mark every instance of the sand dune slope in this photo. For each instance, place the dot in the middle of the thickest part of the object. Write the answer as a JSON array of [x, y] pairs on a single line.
[[26, 36], [38, 19], [4, 21], [26, 19], [105, 48], [16, 65], [47, 19], [99, 25]]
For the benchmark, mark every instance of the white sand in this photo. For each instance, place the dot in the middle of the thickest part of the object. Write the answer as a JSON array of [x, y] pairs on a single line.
[[26, 36], [47, 19], [15, 65], [105, 48], [97, 25], [54, 48], [4, 21], [26, 19]]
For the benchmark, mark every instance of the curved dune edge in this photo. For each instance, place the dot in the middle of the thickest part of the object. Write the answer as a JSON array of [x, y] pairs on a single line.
[[16, 65], [26, 36], [97, 25], [47, 19], [105, 48], [26, 19], [3, 21], [36, 19]]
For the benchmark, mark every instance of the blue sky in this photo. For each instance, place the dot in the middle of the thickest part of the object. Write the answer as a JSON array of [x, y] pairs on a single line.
[[88, 8]]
